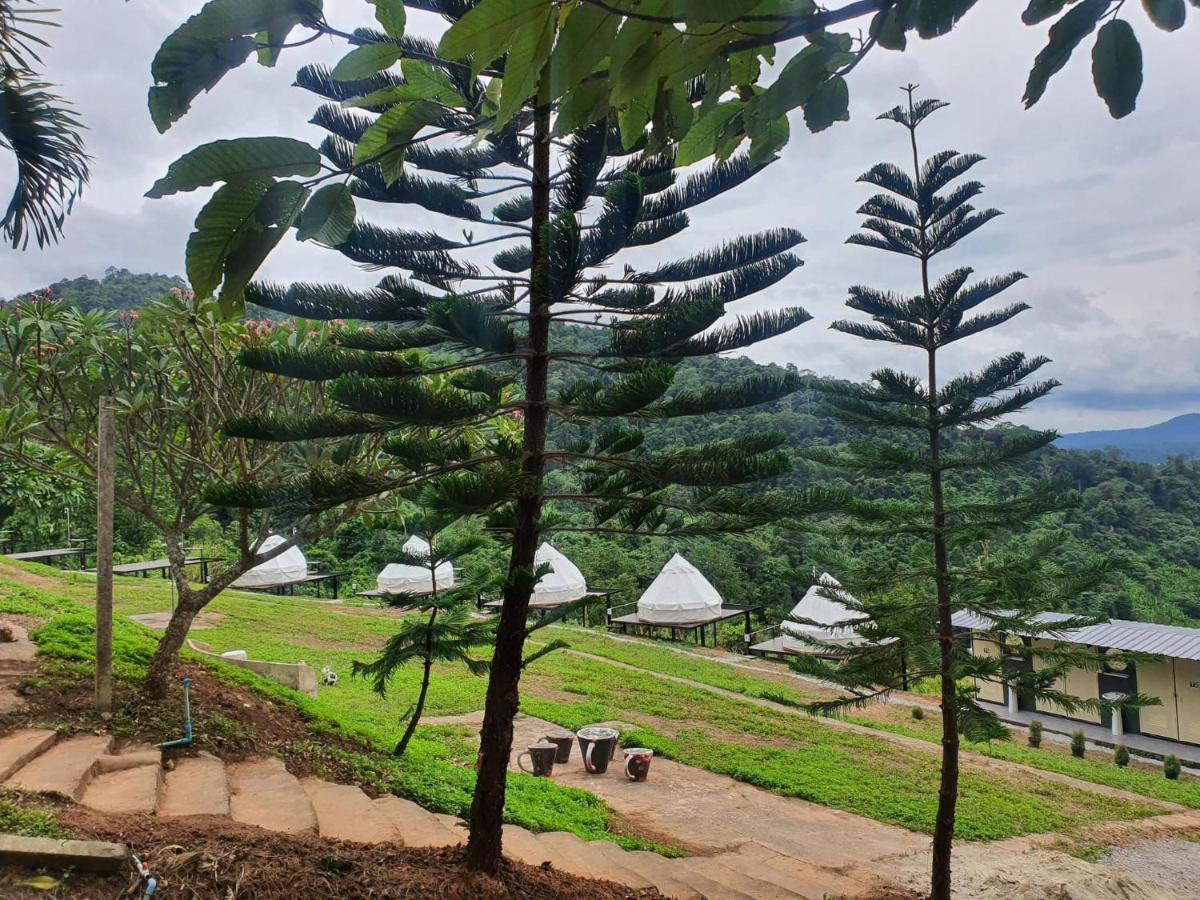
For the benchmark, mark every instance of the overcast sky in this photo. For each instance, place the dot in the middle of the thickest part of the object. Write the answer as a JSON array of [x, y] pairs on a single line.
[[1100, 214]]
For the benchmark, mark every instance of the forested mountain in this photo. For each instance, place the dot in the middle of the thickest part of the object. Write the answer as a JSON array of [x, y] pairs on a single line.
[[1179, 436], [117, 289], [1146, 514]]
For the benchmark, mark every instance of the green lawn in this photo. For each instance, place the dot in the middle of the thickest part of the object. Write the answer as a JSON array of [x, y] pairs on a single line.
[[789, 754]]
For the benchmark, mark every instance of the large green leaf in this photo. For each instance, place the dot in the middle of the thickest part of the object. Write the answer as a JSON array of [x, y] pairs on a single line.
[[227, 215], [701, 140], [936, 17], [385, 140], [1064, 37], [429, 83], [391, 15], [1041, 10], [328, 216], [829, 103], [363, 62], [220, 37], [1169, 15], [584, 41], [486, 32], [586, 104], [273, 216], [527, 56], [237, 159], [1117, 67]]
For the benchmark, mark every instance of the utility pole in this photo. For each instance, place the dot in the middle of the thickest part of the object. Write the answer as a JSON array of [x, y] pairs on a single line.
[[105, 477]]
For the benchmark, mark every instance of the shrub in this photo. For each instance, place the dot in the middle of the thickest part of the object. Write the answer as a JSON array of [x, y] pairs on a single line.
[[1078, 744], [1121, 756], [1171, 767], [918, 713], [1035, 733]]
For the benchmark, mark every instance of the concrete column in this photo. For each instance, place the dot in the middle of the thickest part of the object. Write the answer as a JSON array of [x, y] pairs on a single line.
[[1118, 726], [1011, 692]]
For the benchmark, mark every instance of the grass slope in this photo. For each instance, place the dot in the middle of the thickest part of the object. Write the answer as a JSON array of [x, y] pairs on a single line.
[[791, 755]]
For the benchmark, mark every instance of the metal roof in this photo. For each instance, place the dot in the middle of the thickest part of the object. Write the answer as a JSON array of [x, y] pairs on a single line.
[[1171, 641]]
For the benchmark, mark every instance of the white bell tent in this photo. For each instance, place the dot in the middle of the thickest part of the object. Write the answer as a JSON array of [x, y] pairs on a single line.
[[564, 582], [679, 593], [288, 567], [403, 578], [826, 612]]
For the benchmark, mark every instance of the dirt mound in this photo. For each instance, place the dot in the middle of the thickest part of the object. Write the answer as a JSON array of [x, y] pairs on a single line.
[[1069, 879], [204, 856]]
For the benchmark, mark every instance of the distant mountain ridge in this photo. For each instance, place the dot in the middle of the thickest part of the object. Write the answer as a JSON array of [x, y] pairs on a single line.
[[1179, 436]]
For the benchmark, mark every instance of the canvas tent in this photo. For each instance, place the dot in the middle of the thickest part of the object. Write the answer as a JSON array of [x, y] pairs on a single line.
[[401, 578], [679, 594], [825, 612], [286, 568], [562, 584]]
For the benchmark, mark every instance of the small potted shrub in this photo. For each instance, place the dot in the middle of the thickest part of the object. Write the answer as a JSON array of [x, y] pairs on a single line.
[[1121, 755], [1035, 733], [1171, 767], [918, 713], [1078, 744]]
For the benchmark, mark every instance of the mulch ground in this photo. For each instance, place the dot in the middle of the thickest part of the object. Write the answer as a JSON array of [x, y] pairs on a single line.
[[207, 858]]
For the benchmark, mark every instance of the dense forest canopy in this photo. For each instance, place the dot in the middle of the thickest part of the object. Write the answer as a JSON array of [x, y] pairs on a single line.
[[1146, 514]]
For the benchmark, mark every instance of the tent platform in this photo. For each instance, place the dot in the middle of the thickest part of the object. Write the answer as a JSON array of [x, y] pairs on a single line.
[[682, 630], [545, 606], [787, 646], [288, 588]]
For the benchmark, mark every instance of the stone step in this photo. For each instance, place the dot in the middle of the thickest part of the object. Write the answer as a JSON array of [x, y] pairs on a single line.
[[129, 790], [683, 871], [523, 845], [578, 857], [416, 826], [64, 769], [345, 813], [196, 786], [737, 884], [19, 747], [804, 878], [651, 868], [617, 858], [129, 759], [456, 827], [263, 792]]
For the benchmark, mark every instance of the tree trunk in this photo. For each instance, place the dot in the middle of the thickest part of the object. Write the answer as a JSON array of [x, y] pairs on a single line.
[[420, 707], [166, 655], [495, 737]]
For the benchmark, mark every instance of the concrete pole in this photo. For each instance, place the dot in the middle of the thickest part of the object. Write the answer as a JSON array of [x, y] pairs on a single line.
[[105, 478], [1012, 698]]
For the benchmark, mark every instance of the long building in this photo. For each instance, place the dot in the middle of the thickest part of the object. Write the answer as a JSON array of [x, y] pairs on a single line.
[[1174, 678]]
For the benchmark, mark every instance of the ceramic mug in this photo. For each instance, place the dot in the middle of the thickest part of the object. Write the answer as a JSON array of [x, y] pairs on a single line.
[[563, 741], [541, 759], [598, 744], [637, 763]]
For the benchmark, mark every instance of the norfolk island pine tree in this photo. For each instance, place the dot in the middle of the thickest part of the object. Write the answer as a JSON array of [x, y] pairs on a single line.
[[924, 433], [442, 628], [478, 347]]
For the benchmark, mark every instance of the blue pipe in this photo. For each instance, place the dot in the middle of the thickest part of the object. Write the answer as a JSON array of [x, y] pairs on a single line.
[[186, 740]]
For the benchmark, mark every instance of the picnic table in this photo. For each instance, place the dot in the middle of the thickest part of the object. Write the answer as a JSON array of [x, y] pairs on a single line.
[[145, 567], [53, 553]]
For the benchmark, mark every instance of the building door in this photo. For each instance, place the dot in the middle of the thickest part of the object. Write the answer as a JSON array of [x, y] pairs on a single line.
[[1017, 659], [1120, 677]]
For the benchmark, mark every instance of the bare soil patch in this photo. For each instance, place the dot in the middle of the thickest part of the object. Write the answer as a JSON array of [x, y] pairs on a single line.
[[203, 857], [28, 578]]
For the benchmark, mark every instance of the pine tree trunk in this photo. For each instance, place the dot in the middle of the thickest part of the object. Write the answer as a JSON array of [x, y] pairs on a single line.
[[495, 737], [943, 829], [416, 716]]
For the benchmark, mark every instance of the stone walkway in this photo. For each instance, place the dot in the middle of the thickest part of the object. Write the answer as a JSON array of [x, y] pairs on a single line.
[[90, 770], [17, 662]]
